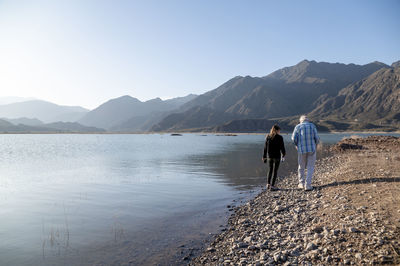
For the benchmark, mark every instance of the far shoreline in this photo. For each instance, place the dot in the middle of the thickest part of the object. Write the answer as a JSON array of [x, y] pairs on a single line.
[[189, 132]]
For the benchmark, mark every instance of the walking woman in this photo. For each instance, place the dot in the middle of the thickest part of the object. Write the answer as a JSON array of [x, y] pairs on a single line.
[[274, 148]]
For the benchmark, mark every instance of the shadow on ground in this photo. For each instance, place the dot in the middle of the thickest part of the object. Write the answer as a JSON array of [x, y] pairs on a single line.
[[361, 181]]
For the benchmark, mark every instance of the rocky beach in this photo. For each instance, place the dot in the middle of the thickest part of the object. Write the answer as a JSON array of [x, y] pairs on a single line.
[[351, 217]]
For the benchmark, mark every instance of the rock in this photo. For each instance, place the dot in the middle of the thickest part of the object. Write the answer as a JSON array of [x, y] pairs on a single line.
[[210, 249], [328, 259], [318, 229], [277, 257], [295, 252], [264, 256], [385, 259], [242, 245], [311, 246], [358, 256], [353, 230], [248, 239]]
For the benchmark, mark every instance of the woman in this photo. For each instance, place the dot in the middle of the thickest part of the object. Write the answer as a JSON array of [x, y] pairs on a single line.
[[273, 149]]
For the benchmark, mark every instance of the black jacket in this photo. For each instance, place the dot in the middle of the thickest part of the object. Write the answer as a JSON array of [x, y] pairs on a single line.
[[274, 147]]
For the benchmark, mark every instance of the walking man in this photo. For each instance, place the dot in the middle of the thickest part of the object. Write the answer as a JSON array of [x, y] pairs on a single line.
[[306, 139]]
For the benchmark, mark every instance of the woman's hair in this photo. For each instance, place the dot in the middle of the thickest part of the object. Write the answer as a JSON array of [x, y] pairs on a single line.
[[273, 131]]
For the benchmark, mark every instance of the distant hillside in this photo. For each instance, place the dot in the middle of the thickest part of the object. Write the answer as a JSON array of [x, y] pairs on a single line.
[[24, 121], [7, 127], [262, 125], [286, 92], [42, 110], [129, 114], [194, 118], [73, 127], [58, 127]]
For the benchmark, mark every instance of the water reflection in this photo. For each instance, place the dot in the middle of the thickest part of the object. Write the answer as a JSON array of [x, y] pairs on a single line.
[[239, 165]]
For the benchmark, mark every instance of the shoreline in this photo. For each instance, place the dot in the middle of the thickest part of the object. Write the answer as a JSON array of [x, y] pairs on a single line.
[[180, 132], [351, 217]]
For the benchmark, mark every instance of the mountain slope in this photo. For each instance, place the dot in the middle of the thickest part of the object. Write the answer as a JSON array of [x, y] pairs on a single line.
[[286, 92], [42, 110], [376, 98], [396, 64]]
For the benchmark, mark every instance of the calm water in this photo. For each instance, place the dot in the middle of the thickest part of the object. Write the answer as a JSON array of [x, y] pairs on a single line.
[[88, 199]]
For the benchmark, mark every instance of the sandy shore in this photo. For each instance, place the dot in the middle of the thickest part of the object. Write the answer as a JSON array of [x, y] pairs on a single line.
[[351, 217]]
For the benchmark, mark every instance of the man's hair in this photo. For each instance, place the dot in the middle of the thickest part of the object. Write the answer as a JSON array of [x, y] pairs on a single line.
[[303, 118]]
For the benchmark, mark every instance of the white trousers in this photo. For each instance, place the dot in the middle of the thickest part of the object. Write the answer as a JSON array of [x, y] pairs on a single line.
[[306, 161]]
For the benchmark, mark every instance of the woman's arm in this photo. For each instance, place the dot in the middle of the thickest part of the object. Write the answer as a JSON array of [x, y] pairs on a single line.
[[265, 149]]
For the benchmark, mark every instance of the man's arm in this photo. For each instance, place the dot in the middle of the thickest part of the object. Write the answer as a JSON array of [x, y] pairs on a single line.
[[316, 137], [295, 136]]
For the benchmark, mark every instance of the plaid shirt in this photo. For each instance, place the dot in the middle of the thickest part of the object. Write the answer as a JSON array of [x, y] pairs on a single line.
[[305, 137]]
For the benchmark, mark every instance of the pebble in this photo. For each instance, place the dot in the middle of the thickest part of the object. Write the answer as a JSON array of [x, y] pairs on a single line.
[[311, 246]]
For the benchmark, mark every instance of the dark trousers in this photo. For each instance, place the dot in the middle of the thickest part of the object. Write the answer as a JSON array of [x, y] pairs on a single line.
[[273, 167]]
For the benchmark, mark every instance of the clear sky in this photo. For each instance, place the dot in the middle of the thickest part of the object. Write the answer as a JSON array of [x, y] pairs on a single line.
[[85, 52]]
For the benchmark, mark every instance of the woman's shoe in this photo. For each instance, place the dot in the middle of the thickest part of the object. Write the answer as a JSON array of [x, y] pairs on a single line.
[[273, 188]]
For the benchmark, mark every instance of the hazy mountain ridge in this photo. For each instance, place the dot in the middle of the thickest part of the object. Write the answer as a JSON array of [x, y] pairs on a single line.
[[42, 110], [130, 114], [286, 92], [14, 99]]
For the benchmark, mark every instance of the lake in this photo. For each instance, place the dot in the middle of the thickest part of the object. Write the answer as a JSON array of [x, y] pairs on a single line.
[[119, 199]]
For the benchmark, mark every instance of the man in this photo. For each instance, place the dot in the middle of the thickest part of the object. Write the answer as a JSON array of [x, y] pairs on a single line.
[[306, 139]]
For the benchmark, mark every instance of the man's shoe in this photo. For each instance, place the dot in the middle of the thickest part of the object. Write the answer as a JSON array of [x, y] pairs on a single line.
[[308, 188], [301, 186]]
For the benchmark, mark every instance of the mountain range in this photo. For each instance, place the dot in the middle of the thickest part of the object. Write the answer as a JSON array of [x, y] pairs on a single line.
[[129, 114], [336, 96], [285, 93]]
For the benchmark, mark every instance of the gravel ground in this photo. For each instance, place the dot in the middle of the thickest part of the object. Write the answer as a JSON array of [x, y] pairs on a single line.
[[351, 217]]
